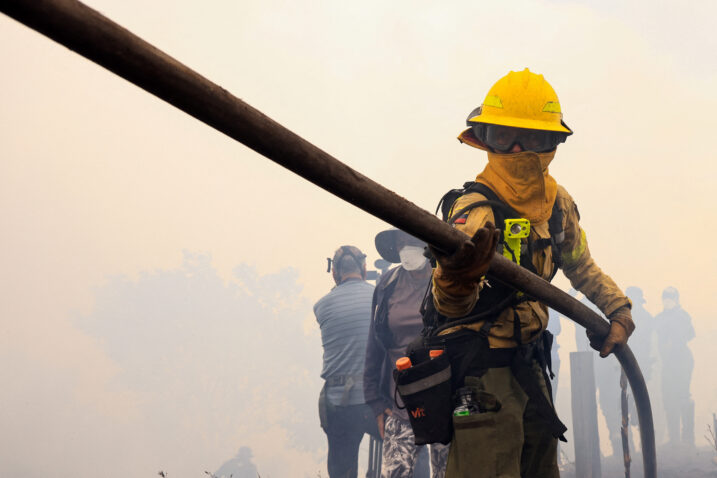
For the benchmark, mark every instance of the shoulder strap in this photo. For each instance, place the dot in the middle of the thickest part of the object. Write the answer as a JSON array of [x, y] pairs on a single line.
[[379, 305], [500, 209], [385, 287], [480, 188], [557, 236], [391, 276], [446, 203], [555, 224]]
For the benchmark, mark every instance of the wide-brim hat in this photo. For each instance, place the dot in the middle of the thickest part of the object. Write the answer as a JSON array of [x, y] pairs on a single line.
[[386, 243]]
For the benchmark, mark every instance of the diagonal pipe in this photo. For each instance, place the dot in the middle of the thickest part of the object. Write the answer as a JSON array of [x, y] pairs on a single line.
[[94, 36]]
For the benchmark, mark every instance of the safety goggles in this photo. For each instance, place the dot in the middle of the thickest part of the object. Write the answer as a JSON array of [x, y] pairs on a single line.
[[503, 138]]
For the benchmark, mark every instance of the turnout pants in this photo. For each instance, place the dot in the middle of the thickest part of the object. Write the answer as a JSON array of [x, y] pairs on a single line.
[[512, 442]]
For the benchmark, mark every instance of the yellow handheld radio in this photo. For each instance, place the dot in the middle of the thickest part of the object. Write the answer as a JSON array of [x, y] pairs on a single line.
[[513, 232]]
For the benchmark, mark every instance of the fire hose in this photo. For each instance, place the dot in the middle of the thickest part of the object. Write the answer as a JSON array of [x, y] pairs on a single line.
[[90, 34]]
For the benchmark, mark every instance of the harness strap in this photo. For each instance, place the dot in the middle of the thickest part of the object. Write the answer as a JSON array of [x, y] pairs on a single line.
[[517, 330], [548, 339], [555, 222], [557, 236], [385, 287], [490, 316], [467, 348]]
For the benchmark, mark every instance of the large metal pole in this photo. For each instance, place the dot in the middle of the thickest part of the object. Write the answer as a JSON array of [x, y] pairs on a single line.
[[99, 39]]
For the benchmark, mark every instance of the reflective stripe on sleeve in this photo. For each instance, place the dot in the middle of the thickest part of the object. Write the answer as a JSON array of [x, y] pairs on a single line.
[[571, 257]]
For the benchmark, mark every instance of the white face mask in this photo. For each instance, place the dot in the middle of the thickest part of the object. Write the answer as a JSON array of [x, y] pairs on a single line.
[[412, 258]]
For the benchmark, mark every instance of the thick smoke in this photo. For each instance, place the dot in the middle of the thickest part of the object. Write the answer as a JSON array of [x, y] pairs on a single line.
[[214, 365]]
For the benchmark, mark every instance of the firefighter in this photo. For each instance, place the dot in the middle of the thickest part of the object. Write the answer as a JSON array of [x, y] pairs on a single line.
[[517, 208]]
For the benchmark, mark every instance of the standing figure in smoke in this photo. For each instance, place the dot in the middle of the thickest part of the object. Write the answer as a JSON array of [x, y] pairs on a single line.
[[238, 467], [641, 340], [395, 323], [674, 331], [344, 315], [607, 373]]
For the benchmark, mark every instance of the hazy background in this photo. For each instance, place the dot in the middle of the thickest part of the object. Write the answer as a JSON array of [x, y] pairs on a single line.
[[157, 277]]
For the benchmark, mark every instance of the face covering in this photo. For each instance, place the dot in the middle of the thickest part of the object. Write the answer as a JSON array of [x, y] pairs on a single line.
[[522, 180], [412, 258]]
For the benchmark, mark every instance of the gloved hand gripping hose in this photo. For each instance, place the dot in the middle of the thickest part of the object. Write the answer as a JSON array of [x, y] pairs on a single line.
[[97, 38]]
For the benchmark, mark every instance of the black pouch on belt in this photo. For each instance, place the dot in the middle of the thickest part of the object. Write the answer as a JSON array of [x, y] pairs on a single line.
[[425, 389]]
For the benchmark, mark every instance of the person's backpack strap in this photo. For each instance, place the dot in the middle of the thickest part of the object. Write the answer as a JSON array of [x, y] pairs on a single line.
[[446, 203], [500, 209], [557, 236], [384, 289]]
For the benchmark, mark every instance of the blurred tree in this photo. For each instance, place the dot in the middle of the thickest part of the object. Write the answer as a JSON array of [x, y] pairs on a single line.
[[215, 362]]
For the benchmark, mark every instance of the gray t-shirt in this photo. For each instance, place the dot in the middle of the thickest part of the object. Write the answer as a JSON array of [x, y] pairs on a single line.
[[404, 316], [344, 316]]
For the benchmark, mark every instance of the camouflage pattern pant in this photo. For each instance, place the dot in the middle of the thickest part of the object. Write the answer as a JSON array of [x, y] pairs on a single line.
[[400, 451]]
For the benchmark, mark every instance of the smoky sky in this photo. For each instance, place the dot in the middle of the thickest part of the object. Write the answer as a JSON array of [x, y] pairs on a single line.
[[114, 363]]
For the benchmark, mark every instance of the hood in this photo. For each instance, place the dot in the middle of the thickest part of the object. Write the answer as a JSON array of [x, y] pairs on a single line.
[[522, 181]]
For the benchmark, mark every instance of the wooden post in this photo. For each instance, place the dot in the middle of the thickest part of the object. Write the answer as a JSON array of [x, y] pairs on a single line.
[[584, 404]]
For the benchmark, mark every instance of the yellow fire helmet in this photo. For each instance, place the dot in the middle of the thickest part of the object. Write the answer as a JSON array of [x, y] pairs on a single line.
[[522, 99]]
